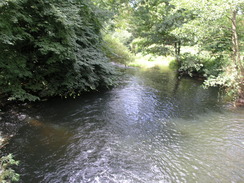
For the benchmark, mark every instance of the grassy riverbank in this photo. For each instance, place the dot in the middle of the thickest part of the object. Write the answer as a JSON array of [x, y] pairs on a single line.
[[200, 65], [149, 61]]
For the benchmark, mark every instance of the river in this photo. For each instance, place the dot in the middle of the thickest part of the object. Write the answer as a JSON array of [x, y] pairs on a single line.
[[152, 128]]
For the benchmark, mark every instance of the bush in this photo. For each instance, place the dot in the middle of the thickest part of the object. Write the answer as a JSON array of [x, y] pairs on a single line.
[[201, 64], [7, 174], [116, 51], [190, 64], [50, 48], [230, 80]]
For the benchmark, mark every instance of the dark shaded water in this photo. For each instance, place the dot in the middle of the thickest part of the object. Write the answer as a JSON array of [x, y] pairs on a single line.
[[152, 128]]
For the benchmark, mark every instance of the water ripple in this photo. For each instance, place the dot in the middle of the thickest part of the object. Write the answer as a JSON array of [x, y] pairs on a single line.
[[147, 130]]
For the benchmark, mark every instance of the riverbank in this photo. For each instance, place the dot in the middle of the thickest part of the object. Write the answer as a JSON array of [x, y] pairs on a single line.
[[12, 115]]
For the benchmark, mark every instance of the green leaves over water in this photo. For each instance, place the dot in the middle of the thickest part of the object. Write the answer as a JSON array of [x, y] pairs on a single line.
[[50, 48]]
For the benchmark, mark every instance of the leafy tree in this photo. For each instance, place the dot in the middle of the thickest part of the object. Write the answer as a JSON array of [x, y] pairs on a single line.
[[116, 50], [50, 48], [116, 35], [155, 20], [217, 28]]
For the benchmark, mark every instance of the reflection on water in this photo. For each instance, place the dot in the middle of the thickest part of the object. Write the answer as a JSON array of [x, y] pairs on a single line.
[[152, 128]]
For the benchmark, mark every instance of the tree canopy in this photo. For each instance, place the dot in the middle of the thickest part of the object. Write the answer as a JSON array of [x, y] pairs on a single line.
[[56, 47], [215, 27], [50, 48]]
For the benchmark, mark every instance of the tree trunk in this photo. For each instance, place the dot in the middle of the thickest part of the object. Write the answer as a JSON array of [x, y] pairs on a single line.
[[235, 45], [236, 55], [177, 51], [179, 46]]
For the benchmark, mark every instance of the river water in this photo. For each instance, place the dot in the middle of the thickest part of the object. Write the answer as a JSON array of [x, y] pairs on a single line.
[[152, 128]]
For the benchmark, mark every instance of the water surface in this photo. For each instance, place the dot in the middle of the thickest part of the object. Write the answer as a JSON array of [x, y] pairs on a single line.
[[152, 128]]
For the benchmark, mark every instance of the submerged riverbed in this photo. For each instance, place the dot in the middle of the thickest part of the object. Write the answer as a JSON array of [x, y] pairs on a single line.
[[151, 128]]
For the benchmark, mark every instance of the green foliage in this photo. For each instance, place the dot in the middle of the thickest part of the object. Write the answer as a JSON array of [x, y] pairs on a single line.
[[151, 60], [217, 28], [202, 64], [138, 45], [116, 51], [174, 65], [163, 27], [158, 50], [190, 64], [123, 36], [211, 28], [153, 23], [142, 45], [7, 174], [229, 80], [50, 48]]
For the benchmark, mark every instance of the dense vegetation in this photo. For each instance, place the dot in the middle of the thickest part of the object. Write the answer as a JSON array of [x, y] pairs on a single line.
[[54, 48], [50, 48], [62, 48], [213, 30]]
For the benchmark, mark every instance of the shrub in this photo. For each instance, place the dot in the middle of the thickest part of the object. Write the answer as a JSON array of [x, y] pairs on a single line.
[[116, 51], [50, 48], [230, 80], [7, 174], [201, 64], [190, 64]]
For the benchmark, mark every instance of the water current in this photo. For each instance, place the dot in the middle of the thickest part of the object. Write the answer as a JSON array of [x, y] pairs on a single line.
[[152, 128]]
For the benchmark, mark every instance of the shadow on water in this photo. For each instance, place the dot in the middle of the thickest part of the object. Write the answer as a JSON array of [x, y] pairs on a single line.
[[152, 128]]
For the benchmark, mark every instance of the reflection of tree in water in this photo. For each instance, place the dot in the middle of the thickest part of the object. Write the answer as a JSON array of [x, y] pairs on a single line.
[[178, 96], [158, 78], [177, 83]]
